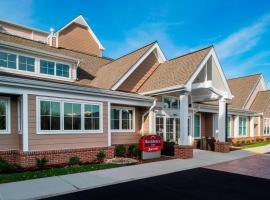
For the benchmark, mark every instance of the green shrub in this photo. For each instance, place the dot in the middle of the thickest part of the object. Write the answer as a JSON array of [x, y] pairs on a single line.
[[247, 141], [133, 150], [258, 139], [243, 142], [120, 150], [6, 167], [74, 160], [101, 156], [267, 139], [41, 162], [238, 143]]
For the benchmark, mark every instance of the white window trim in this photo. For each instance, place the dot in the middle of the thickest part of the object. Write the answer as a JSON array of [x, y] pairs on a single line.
[[170, 97], [230, 118], [239, 127], [62, 131], [37, 67], [120, 130], [19, 111], [8, 116], [264, 126], [198, 114]]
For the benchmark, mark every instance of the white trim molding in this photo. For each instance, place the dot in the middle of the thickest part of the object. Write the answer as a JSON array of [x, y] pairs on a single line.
[[25, 122], [8, 115]]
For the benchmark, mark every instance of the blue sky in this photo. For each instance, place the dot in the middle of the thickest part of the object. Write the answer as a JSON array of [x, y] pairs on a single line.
[[239, 29]]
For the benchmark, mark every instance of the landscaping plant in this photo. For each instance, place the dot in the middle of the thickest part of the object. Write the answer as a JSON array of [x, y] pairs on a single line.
[[74, 160], [120, 150], [133, 150], [41, 162], [6, 167], [101, 156]]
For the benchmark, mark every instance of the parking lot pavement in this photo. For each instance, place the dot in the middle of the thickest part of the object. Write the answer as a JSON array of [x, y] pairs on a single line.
[[193, 184]]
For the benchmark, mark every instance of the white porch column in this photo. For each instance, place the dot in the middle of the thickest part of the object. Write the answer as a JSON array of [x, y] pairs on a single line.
[[251, 125], [25, 122], [109, 125], [236, 126], [184, 139], [222, 120]]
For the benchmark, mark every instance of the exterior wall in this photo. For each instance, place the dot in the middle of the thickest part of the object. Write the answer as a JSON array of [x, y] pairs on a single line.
[[130, 137], [140, 75], [78, 38], [41, 142], [23, 32], [206, 125], [11, 141]]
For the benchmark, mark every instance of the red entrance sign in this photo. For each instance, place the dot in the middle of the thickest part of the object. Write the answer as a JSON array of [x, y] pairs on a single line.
[[151, 143]]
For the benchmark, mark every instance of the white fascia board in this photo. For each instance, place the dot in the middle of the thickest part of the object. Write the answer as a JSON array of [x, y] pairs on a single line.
[[17, 85], [264, 83], [195, 74], [166, 90], [80, 20], [16, 47], [137, 64]]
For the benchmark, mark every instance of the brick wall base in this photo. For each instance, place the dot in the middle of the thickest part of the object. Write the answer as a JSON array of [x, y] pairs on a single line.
[[223, 147], [183, 152], [55, 157]]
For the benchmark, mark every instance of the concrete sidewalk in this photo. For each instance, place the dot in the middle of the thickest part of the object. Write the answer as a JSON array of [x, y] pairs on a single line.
[[45, 187]]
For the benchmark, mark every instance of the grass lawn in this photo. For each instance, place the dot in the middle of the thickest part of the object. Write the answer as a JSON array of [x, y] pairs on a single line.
[[255, 145], [20, 176]]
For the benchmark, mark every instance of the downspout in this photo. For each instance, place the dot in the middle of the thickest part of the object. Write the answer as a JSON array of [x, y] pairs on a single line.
[[148, 111]]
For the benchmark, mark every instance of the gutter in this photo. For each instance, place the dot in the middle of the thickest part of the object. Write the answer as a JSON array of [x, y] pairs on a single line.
[[148, 111]]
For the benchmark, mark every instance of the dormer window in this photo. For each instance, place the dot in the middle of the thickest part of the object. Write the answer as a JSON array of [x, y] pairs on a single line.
[[31, 65], [8, 60], [26, 64]]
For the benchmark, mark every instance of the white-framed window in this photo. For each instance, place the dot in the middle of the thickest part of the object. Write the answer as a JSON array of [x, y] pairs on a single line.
[[170, 102], [26, 64], [266, 126], [4, 115], [19, 115], [122, 119], [197, 126], [229, 126], [242, 126], [8, 60], [59, 116]]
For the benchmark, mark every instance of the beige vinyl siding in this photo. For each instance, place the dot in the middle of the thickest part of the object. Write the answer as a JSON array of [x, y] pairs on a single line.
[[130, 137], [77, 37], [64, 141], [11, 141]]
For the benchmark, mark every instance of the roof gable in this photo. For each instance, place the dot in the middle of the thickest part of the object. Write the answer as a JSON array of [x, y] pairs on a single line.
[[175, 72], [261, 101], [108, 75]]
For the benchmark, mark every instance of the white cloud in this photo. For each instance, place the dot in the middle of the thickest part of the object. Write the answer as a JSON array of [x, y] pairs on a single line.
[[143, 34], [18, 11], [243, 40]]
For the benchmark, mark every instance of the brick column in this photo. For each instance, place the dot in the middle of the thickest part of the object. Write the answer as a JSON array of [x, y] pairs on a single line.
[[183, 151], [223, 147]]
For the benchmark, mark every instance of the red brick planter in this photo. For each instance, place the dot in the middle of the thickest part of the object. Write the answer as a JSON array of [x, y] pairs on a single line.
[[183, 152], [55, 157], [223, 147]]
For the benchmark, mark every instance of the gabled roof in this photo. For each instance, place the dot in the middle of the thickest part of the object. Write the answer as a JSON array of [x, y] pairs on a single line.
[[80, 20], [261, 101], [89, 64], [241, 88], [176, 71], [109, 74]]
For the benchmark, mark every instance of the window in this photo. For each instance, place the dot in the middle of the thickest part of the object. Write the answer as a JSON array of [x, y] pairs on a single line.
[[229, 126], [4, 115], [159, 126], [122, 119], [72, 116], [46, 67], [49, 115], [266, 126], [170, 103], [60, 116], [242, 126], [91, 117], [169, 129], [62, 70], [26, 64], [197, 126], [7, 60]]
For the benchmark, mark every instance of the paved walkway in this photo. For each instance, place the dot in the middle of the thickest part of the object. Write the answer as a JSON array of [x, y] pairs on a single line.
[[40, 188]]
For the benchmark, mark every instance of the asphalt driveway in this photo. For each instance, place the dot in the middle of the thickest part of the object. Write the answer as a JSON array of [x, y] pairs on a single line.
[[199, 183]]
